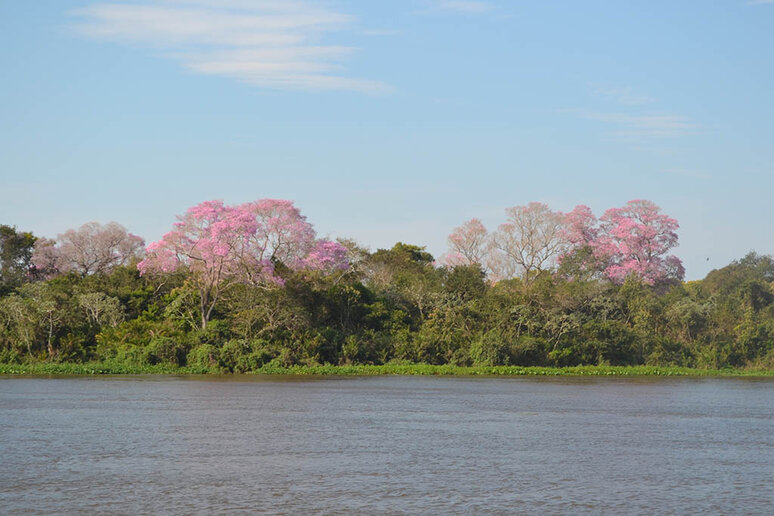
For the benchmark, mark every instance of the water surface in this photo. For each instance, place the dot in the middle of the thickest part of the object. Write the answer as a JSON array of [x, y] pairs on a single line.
[[418, 445]]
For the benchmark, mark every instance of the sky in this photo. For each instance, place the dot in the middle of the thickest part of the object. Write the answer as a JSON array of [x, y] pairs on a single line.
[[391, 121]]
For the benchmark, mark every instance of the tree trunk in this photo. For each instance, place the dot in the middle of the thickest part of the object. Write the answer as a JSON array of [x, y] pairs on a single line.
[[49, 347], [204, 297]]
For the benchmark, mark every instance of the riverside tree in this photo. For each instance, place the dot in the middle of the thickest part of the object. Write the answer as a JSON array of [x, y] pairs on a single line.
[[283, 297], [637, 237], [469, 244], [633, 240], [90, 249], [15, 257], [529, 241], [221, 245]]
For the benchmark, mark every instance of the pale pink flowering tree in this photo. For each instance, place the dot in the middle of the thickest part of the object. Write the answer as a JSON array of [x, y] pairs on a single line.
[[221, 245], [468, 244], [580, 226], [90, 249], [281, 234], [46, 258], [529, 241]]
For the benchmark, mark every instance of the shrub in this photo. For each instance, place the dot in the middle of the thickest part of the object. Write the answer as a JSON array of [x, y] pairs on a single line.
[[165, 350], [204, 356]]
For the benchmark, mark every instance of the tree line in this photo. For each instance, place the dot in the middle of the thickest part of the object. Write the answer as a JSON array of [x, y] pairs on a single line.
[[234, 288]]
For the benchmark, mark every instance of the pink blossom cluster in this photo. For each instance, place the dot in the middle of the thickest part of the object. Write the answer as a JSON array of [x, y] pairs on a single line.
[[632, 240], [222, 243], [327, 256]]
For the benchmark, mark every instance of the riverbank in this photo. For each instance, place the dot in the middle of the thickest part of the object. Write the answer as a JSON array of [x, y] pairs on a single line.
[[99, 368]]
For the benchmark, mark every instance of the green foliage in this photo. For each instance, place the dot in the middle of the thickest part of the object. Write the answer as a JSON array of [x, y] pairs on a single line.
[[205, 357], [491, 348], [394, 309], [15, 258], [465, 282]]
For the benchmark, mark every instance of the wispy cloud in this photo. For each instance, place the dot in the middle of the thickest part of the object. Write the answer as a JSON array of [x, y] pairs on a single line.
[[630, 122], [461, 6], [624, 95], [758, 2], [639, 129], [267, 43]]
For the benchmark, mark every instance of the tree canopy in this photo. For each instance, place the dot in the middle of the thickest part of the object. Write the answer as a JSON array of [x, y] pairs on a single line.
[[235, 288]]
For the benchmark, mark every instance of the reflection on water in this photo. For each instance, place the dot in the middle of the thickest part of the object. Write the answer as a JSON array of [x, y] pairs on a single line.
[[386, 445]]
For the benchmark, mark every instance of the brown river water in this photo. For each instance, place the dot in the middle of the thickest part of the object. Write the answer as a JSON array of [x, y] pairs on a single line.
[[386, 445]]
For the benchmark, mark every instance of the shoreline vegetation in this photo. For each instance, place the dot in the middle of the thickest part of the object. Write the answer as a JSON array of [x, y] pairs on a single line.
[[251, 289], [117, 368]]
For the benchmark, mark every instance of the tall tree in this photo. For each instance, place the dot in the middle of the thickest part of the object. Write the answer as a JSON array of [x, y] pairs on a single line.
[[469, 244], [629, 241], [529, 241], [581, 230], [636, 239], [15, 257], [93, 248], [222, 245]]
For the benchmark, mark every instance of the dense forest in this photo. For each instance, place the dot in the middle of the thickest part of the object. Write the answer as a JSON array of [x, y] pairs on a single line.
[[234, 288]]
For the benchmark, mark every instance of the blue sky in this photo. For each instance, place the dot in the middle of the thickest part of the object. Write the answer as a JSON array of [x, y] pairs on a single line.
[[390, 121]]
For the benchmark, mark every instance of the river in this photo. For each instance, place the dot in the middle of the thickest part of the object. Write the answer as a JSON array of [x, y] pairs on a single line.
[[386, 445]]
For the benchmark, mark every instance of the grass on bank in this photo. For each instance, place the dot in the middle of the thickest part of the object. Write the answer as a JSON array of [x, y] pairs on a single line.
[[99, 368]]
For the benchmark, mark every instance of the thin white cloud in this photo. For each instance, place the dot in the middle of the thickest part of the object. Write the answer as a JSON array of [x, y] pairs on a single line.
[[461, 6], [624, 95], [266, 43], [640, 129]]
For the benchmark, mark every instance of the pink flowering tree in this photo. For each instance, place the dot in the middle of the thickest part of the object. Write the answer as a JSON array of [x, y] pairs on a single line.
[[580, 226], [632, 240], [635, 240], [581, 231], [205, 240], [91, 249], [222, 245], [326, 256]]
